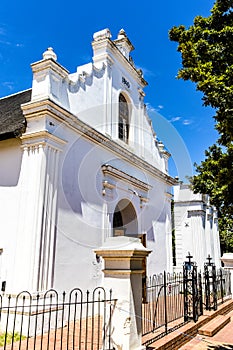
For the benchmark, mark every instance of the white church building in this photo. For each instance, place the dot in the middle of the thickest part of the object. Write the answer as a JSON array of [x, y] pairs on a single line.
[[195, 228], [80, 162]]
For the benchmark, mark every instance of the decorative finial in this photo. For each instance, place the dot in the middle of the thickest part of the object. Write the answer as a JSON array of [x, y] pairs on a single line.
[[121, 34], [209, 259], [49, 53], [160, 146], [189, 257]]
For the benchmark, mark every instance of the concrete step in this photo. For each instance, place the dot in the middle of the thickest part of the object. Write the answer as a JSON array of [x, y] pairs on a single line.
[[182, 335], [231, 315], [203, 345], [227, 309], [213, 326]]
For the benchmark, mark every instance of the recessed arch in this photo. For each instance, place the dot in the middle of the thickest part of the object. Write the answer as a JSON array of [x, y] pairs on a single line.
[[125, 220]]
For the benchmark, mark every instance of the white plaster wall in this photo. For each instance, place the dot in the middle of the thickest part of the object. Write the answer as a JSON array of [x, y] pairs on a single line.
[[188, 233], [85, 215], [217, 251], [182, 193], [195, 230], [10, 165]]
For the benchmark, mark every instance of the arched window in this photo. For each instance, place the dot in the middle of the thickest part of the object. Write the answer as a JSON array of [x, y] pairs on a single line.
[[123, 126], [125, 220]]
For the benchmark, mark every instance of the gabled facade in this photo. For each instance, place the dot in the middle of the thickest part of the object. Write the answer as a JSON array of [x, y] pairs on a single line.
[[79, 162]]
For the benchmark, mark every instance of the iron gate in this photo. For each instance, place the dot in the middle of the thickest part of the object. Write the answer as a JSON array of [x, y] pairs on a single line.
[[183, 295], [193, 306], [210, 281]]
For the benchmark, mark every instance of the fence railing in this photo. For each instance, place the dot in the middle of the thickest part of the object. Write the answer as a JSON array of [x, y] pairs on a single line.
[[223, 280], [164, 301], [50, 320], [165, 298], [83, 321]]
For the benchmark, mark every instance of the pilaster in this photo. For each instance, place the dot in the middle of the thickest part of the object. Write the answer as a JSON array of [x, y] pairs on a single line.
[[217, 252], [140, 123], [108, 97], [168, 227], [198, 235], [37, 211]]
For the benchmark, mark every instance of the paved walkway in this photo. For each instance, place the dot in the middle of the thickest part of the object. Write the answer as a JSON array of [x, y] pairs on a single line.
[[67, 338]]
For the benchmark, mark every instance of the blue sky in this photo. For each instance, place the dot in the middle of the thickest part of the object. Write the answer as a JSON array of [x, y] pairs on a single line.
[[27, 28]]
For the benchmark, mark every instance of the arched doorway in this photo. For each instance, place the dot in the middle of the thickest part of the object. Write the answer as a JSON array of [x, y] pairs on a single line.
[[125, 219]]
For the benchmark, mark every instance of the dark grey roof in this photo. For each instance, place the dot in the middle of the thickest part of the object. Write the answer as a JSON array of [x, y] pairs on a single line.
[[12, 121]]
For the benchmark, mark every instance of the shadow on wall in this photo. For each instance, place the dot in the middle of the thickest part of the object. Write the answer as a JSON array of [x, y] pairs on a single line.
[[10, 162]]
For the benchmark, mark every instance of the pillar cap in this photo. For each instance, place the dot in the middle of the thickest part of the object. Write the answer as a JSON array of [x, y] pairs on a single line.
[[122, 246], [227, 259]]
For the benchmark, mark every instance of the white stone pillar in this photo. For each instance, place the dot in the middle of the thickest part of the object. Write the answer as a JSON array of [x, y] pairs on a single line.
[[197, 229], [227, 259], [168, 232], [140, 125], [108, 97], [31, 184], [217, 252], [37, 212], [123, 257]]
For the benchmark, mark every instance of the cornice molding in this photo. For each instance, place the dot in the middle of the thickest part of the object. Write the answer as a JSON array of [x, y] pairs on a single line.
[[95, 71], [121, 175], [169, 195], [196, 213], [47, 107], [49, 64], [42, 138], [114, 51], [112, 272], [194, 201]]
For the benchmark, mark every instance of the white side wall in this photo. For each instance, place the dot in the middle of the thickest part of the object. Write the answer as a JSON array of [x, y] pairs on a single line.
[[196, 230], [85, 215], [10, 166]]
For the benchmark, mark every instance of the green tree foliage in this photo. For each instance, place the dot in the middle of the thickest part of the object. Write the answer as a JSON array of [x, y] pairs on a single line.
[[207, 60]]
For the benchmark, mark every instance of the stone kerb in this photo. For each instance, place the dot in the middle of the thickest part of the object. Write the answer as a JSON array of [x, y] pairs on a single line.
[[227, 259], [123, 259]]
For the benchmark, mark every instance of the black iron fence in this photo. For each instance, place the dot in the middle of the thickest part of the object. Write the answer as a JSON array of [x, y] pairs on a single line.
[[216, 289], [204, 291], [164, 301], [83, 321], [183, 296], [49, 321]]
